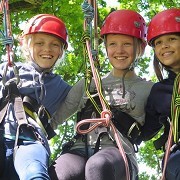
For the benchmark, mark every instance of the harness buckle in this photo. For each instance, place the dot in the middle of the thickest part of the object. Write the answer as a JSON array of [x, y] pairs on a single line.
[[133, 126]]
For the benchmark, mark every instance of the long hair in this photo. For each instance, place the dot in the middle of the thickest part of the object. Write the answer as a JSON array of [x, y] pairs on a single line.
[[158, 68]]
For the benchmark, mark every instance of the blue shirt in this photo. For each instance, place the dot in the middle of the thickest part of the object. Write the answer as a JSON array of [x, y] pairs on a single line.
[[47, 89]]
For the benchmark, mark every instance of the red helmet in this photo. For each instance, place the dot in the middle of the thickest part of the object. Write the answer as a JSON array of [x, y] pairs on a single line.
[[126, 22], [47, 23], [167, 21]]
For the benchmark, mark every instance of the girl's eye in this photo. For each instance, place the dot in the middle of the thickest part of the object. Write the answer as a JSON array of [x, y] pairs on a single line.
[[157, 43], [127, 44], [39, 43], [111, 44], [172, 39], [56, 45]]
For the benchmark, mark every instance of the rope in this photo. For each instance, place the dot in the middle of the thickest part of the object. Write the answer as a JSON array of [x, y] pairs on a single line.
[[87, 41], [90, 13], [7, 41], [106, 114], [105, 121], [168, 149], [175, 112], [175, 108]]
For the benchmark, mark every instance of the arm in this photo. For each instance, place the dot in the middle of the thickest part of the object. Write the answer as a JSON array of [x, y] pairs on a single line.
[[152, 124], [70, 104]]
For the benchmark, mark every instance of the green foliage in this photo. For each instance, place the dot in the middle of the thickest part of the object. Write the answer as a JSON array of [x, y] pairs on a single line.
[[64, 132], [73, 67], [151, 157]]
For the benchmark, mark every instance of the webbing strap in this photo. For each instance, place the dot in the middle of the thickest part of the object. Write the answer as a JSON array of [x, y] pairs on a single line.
[[19, 111], [2, 151], [3, 112], [34, 115], [21, 119]]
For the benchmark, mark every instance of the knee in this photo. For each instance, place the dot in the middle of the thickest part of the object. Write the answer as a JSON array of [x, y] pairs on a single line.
[[34, 170], [98, 163]]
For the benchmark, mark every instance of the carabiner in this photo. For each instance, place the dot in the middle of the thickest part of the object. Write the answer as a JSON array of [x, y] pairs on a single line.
[[16, 74]]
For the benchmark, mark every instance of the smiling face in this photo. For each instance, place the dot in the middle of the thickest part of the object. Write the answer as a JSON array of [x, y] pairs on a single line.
[[120, 50], [45, 49], [167, 50]]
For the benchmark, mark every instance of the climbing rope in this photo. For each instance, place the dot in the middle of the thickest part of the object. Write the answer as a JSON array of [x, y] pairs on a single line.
[[88, 49], [175, 108], [7, 41], [168, 150], [92, 71], [174, 129]]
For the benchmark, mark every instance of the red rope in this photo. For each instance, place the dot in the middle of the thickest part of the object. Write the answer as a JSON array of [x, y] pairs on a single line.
[[169, 144], [105, 121], [8, 42], [7, 30]]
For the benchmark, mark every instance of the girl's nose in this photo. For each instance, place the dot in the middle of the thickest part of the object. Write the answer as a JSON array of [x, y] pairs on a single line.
[[165, 44], [120, 48], [47, 47]]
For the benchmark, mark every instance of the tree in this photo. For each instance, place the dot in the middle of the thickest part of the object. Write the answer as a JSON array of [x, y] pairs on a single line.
[[73, 69]]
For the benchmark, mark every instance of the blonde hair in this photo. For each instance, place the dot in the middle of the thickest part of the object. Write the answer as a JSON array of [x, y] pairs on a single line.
[[25, 44]]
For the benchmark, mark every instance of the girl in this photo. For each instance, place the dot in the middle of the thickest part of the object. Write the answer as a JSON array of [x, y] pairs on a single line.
[[44, 41], [95, 156], [164, 37]]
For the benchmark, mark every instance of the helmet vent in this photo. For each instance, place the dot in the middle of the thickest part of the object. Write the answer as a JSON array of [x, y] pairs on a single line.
[[137, 24], [177, 19]]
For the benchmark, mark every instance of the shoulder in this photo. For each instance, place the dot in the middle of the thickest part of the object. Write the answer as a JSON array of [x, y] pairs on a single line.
[[145, 84], [163, 87], [145, 81], [78, 87]]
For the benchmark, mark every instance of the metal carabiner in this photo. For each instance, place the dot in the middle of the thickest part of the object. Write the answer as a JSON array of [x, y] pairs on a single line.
[[16, 74]]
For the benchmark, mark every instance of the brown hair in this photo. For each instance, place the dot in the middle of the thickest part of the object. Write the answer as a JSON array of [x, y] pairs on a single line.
[[158, 68]]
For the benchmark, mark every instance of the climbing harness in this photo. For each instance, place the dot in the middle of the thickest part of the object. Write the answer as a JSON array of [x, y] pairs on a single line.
[[105, 114], [174, 124]]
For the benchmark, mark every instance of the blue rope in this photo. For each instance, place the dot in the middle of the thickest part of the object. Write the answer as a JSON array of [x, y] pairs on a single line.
[[88, 11]]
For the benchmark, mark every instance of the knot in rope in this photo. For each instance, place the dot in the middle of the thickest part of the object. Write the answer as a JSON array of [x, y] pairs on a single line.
[[106, 114], [7, 41], [88, 74], [177, 101], [85, 36], [175, 108], [88, 11], [1, 18], [96, 122], [105, 120]]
